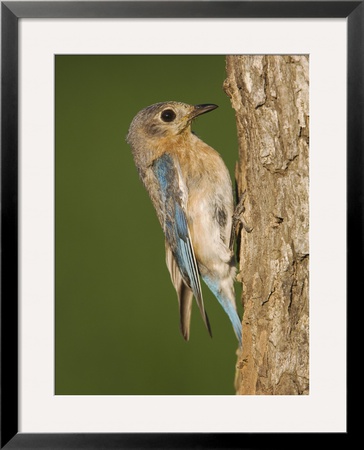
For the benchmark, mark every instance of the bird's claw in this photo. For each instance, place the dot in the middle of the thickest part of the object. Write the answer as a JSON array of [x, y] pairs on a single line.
[[238, 220]]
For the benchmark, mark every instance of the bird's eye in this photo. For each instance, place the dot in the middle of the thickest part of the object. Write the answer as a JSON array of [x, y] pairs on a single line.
[[168, 115]]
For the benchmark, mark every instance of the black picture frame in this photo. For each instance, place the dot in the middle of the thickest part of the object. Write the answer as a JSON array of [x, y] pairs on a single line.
[[10, 13]]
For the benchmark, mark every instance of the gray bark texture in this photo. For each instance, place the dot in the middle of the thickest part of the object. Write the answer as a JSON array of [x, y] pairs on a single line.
[[270, 95]]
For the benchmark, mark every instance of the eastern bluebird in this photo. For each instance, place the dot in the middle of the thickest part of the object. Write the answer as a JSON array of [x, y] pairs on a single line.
[[191, 190]]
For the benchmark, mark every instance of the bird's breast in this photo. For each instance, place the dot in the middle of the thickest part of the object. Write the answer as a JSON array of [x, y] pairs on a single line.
[[209, 207]]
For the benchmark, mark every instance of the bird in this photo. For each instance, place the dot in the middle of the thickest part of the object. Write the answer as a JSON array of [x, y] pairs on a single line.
[[191, 190]]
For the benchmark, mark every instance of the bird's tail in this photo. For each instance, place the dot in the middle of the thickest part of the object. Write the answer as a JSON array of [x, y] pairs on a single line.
[[226, 298]]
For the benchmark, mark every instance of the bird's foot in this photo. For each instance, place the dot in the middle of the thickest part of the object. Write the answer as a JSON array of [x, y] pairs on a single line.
[[238, 214], [238, 220]]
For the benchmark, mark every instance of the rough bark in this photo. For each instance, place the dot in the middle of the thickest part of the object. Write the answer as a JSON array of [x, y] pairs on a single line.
[[270, 95]]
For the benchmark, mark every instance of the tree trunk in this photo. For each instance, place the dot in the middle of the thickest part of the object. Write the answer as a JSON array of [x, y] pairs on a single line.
[[270, 95]]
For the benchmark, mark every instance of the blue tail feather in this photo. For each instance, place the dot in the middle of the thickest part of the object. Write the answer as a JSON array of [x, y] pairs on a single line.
[[228, 307]]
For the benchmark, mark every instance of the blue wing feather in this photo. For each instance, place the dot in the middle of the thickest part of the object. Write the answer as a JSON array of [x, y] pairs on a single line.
[[176, 226]]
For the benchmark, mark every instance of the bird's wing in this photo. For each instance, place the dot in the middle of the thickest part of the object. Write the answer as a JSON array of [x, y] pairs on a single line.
[[184, 293], [174, 196]]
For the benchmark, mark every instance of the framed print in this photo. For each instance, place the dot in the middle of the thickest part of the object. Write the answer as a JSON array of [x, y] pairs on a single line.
[[91, 357]]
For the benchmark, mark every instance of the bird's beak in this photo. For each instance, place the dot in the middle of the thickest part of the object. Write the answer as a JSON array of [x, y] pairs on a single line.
[[202, 109]]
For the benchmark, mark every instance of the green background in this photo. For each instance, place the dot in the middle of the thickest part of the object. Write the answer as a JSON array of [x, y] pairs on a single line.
[[117, 324]]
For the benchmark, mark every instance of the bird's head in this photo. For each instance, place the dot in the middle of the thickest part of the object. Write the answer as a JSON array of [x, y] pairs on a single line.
[[165, 119]]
